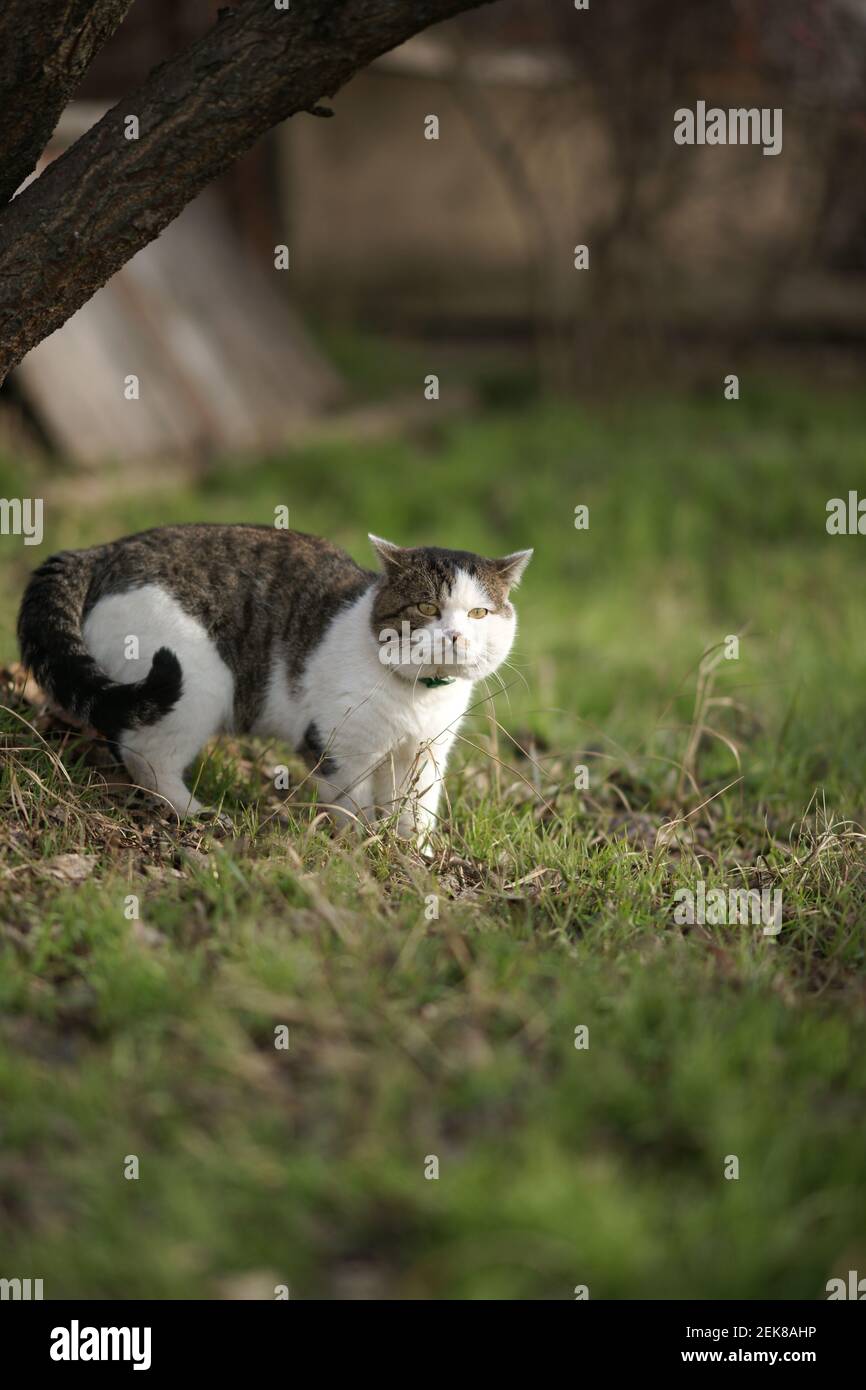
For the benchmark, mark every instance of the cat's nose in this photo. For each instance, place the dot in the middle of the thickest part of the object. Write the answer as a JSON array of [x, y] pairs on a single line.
[[457, 641]]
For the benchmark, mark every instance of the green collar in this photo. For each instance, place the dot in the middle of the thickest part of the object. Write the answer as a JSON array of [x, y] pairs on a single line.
[[432, 681]]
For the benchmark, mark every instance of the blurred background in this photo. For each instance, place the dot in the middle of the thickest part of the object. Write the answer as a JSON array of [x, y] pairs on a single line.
[[555, 130]]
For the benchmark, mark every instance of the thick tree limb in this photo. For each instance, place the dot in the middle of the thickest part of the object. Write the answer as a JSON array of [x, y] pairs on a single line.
[[108, 196], [46, 46]]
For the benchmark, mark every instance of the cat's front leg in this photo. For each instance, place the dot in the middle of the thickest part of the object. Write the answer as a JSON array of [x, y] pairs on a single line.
[[348, 797], [419, 789], [427, 806], [343, 777]]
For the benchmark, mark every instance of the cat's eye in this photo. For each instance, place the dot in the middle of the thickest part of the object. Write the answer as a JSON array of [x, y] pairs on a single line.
[[478, 612], [428, 609]]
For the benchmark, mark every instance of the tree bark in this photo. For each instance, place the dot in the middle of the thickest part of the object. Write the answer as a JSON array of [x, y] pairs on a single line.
[[108, 196], [46, 46]]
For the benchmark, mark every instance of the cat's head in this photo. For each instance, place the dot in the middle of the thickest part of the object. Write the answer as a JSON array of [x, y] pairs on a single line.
[[444, 613]]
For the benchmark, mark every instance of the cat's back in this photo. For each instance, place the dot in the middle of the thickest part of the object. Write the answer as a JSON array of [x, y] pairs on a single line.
[[230, 577], [200, 560], [254, 589]]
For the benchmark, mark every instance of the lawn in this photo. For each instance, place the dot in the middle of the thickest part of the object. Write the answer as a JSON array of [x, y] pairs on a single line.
[[434, 1011]]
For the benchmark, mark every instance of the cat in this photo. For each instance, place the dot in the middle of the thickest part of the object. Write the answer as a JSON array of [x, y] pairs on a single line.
[[161, 640]]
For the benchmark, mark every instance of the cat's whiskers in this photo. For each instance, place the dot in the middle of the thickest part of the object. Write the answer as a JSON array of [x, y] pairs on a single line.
[[519, 674]]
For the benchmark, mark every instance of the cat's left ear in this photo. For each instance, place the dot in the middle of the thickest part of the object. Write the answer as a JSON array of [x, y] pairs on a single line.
[[391, 555], [511, 567]]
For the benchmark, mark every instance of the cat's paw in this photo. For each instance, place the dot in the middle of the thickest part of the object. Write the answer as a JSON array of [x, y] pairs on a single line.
[[411, 826], [423, 839]]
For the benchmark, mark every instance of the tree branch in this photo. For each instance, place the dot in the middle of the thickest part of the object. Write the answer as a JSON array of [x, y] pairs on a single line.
[[46, 47], [108, 196]]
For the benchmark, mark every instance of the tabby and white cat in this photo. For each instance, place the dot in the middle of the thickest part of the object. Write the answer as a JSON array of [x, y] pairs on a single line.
[[252, 629]]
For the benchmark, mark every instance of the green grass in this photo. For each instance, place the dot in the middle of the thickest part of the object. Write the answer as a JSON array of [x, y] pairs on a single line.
[[413, 1034]]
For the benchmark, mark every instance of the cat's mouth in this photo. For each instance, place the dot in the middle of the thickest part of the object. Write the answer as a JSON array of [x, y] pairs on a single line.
[[429, 661], [444, 671]]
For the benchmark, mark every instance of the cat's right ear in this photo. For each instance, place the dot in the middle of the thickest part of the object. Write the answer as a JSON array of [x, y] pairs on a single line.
[[391, 555]]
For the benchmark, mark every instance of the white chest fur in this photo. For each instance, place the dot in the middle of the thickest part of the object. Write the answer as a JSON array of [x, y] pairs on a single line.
[[354, 700]]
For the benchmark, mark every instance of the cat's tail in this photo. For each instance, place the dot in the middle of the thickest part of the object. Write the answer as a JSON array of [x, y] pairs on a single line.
[[52, 646]]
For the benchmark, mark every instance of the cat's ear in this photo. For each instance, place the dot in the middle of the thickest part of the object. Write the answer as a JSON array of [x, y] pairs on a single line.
[[392, 556], [511, 567]]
